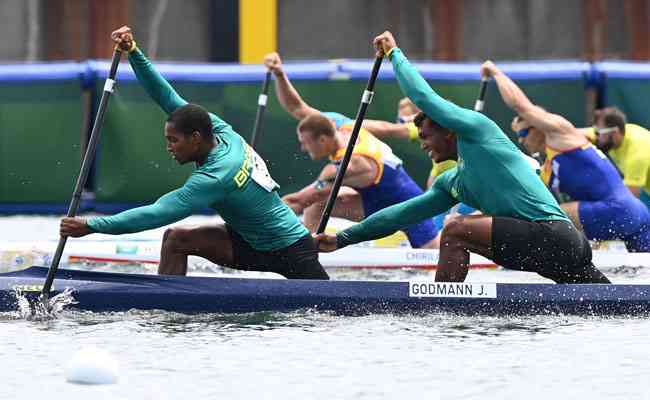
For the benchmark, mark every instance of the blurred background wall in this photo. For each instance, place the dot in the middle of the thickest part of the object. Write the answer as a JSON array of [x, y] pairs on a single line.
[[46, 109], [227, 30]]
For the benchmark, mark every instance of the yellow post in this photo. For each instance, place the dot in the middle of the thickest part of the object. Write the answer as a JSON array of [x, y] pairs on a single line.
[[257, 29]]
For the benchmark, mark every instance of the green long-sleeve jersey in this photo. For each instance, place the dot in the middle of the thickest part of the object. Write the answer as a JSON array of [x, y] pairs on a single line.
[[491, 174], [233, 180]]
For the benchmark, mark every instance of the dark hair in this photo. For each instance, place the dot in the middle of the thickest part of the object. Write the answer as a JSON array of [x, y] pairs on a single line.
[[192, 118], [318, 125], [613, 117], [421, 117]]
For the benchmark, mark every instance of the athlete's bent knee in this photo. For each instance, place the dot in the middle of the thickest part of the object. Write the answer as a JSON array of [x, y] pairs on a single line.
[[455, 229], [175, 237]]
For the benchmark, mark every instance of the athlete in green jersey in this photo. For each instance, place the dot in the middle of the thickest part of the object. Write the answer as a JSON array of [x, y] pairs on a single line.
[[522, 228], [260, 231]]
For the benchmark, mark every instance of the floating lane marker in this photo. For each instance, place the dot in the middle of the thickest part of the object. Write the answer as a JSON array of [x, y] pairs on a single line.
[[452, 289]]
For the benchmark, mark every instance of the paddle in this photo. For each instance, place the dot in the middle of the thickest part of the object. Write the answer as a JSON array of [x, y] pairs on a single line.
[[83, 174], [261, 106], [366, 98], [480, 101]]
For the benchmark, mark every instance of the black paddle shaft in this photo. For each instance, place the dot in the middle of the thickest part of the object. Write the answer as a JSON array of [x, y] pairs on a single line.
[[480, 101], [261, 106], [366, 98], [85, 170]]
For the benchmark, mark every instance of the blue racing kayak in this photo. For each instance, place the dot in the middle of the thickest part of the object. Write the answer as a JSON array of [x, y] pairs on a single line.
[[102, 291]]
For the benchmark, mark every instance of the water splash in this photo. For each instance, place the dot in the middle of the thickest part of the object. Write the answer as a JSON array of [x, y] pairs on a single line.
[[32, 308]]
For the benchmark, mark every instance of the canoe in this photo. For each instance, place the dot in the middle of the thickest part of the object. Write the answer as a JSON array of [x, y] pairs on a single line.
[[102, 292]]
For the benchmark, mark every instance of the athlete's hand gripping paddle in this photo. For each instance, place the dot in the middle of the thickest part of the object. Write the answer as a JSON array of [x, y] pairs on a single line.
[[261, 106], [366, 98], [83, 174]]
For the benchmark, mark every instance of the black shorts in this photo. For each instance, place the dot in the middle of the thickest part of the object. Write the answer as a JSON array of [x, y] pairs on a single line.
[[554, 249], [297, 261]]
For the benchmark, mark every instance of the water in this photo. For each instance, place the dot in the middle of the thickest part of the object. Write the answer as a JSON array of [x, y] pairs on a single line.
[[308, 355], [298, 356]]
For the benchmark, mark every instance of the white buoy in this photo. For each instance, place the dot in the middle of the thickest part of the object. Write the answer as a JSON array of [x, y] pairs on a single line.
[[92, 366]]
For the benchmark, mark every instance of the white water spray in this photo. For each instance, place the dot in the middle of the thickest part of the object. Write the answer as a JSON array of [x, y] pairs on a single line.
[[31, 308]]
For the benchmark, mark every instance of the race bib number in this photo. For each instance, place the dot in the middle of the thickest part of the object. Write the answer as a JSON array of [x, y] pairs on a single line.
[[260, 173], [254, 168]]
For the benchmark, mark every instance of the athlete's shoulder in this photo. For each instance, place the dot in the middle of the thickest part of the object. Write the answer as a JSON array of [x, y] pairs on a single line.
[[449, 173], [483, 131], [636, 128], [221, 127], [202, 183], [212, 172], [225, 159], [638, 134]]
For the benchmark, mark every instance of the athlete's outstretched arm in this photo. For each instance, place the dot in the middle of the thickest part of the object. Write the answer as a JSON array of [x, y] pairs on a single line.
[[161, 91], [462, 121], [171, 207], [385, 129], [361, 172], [156, 86], [515, 98], [288, 96], [466, 123], [396, 217]]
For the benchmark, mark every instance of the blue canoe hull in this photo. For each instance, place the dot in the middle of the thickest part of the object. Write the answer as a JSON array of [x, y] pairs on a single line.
[[100, 291]]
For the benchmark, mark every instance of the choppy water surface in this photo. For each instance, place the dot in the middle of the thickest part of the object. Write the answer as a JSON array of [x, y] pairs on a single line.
[[308, 355], [304, 355]]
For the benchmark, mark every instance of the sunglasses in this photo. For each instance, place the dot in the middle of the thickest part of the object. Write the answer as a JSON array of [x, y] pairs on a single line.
[[604, 131], [522, 133]]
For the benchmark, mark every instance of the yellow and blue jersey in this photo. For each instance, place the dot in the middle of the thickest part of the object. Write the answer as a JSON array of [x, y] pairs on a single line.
[[390, 186], [583, 173], [607, 209], [367, 146], [632, 158]]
